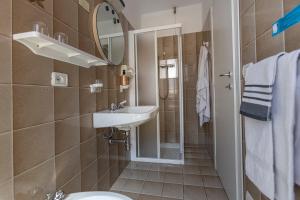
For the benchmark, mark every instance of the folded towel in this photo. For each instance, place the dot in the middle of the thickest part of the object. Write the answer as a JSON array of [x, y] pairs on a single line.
[[258, 134], [258, 91], [283, 109], [202, 98], [297, 131]]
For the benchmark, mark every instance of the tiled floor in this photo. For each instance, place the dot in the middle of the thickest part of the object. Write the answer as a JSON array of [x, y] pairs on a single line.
[[196, 180]]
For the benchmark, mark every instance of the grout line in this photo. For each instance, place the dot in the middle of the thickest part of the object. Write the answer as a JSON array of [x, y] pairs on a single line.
[[33, 126], [35, 167]]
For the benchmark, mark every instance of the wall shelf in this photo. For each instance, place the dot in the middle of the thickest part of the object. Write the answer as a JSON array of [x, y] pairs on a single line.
[[46, 46]]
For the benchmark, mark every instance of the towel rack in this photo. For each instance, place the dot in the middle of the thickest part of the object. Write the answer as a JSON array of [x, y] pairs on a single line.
[[290, 19]]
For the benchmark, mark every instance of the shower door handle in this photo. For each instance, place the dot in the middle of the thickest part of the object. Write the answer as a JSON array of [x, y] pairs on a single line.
[[229, 74]]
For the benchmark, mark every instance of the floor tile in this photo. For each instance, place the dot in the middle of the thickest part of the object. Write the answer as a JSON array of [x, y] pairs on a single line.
[[172, 191], [139, 165], [212, 182], [215, 194], [208, 171], [191, 169], [194, 193], [134, 186], [148, 197], [152, 188], [134, 174], [195, 180], [173, 178], [120, 182], [155, 176], [133, 196], [174, 169]]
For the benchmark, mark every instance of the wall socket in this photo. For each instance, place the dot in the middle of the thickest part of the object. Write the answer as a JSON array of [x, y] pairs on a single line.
[[59, 79]]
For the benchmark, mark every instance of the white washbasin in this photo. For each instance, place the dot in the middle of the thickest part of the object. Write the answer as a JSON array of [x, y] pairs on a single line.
[[125, 117], [96, 196]]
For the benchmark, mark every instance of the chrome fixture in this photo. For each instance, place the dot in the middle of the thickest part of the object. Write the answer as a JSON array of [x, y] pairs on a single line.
[[125, 141], [114, 107], [59, 195], [229, 74], [122, 104], [96, 87]]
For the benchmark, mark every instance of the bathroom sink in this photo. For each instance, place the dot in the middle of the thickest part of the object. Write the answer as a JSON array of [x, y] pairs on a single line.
[[124, 118], [96, 196]]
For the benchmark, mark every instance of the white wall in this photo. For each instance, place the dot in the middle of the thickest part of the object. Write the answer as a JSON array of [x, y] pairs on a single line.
[[192, 17]]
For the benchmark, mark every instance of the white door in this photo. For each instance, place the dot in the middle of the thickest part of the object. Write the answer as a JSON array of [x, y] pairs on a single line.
[[227, 96]]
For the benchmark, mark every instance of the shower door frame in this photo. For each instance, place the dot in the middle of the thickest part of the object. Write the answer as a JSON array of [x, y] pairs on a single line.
[[132, 38]]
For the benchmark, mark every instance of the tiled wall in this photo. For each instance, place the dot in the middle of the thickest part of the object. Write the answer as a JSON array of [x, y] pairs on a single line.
[[46, 137], [193, 133], [257, 43]]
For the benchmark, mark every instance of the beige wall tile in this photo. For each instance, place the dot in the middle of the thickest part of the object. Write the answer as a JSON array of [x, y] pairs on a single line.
[[32, 105], [266, 13], [86, 44], [87, 130], [87, 101], [85, 21], [29, 68], [267, 45], [45, 6], [102, 145], [6, 59], [6, 17], [87, 76], [248, 26], [25, 15], [104, 182], [6, 158], [73, 185], [67, 166], [103, 165], [67, 134], [245, 4], [5, 108], [89, 177], [249, 53], [102, 100], [88, 152], [67, 12], [6, 190], [35, 183], [27, 153], [66, 102]]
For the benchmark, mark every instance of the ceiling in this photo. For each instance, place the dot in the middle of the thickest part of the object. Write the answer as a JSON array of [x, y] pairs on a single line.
[[148, 6]]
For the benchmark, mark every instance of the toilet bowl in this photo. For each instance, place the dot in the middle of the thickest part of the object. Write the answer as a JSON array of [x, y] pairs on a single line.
[[96, 196]]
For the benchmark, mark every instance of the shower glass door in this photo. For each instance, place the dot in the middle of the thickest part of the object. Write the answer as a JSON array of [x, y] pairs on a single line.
[[158, 61]]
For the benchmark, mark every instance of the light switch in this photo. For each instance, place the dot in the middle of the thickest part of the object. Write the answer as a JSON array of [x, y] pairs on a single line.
[[59, 79]]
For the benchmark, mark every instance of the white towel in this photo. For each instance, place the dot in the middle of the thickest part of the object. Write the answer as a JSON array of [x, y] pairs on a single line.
[[297, 131], [202, 98], [283, 110], [259, 136]]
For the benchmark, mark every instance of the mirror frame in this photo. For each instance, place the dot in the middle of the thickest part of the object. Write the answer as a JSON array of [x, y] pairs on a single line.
[[96, 35]]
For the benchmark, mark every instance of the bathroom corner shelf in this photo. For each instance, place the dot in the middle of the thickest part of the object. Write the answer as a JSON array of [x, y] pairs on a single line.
[[46, 46]]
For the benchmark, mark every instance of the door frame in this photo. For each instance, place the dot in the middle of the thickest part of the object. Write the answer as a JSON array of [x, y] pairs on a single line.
[[237, 97]]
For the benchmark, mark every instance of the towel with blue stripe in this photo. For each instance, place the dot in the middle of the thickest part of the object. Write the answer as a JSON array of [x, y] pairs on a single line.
[[258, 88]]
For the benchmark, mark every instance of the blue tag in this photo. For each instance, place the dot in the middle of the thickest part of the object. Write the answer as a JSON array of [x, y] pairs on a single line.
[[290, 19]]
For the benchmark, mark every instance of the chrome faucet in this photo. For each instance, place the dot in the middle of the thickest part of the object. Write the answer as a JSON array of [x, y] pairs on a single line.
[[122, 104], [114, 107], [59, 195]]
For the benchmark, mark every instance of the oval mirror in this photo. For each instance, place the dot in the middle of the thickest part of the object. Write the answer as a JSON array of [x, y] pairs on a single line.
[[108, 33]]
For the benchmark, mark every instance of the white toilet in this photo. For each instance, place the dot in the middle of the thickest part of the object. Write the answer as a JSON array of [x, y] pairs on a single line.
[[96, 196]]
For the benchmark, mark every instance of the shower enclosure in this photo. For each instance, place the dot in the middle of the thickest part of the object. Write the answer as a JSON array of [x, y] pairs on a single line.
[[156, 54]]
